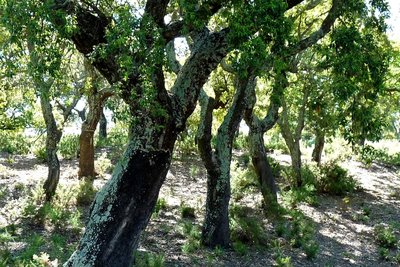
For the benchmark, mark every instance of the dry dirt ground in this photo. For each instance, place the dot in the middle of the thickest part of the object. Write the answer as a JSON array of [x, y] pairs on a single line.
[[343, 228]]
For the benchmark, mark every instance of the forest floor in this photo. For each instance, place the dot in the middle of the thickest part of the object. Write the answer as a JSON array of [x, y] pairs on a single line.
[[342, 226]]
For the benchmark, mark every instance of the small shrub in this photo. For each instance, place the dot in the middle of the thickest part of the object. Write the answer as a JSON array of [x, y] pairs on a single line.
[[335, 180], [243, 180], [160, 205], [86, 193], [240, 142], [69, 145], [240, 248], [385, 236], [193, 235], [370, 154], [280, 259], [103, 165], [13, 142], [383, 253], [187, 212], [311, 249], [40, 153], [145, 259], [245, 228]]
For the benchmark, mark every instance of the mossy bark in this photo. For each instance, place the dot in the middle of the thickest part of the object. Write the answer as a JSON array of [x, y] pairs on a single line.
[[216, 223], [318, 146], [53, 137], [122, 209], [262, 167], [103, 126]]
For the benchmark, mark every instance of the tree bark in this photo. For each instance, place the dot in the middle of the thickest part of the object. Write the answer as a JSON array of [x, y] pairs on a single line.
[[96, 99], [122, 209], [86, 152], [53, 137], [103, 126], [262, 167], [216, 223], [257, 128], [318, 147]]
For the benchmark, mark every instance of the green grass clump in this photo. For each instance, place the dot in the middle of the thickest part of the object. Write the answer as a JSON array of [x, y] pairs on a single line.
[[193, 236], [146, 259], [187, 212], [246, 228]]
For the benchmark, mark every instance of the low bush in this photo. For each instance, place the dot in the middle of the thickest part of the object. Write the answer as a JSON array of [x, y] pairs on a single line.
[[13, 142], [69, 146], [369, 154], [335, 180], [245, 228]]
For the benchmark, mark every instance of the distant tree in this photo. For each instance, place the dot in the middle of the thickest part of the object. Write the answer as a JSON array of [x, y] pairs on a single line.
[[97, 93]]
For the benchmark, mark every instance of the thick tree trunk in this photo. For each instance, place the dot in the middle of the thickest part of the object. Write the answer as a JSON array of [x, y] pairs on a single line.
[[122, 209], [295, 155], [318, 147], [103, 126], [86, 154], [216, 223], [263, 169], [95, 99]]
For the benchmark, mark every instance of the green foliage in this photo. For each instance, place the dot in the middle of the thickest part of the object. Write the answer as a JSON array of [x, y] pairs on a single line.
[[385, 236], [187, 212], [280, 259], [243, 180], [69, 146], [388, 240], [56, 213], [40, 153], [245, 228], [277, 144], [13, 142], [160, 206], [240, 248], [148, 259], [192, 233], [335, 180], [116, 138], [86, 193], [370, 154], [240, 142], [103, 165], [300, 232], [328, 178]]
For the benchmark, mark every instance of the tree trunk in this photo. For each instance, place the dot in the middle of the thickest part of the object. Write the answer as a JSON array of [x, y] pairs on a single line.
[[53, 164], [103, 126], [86, 154], [295, 155], [122, 209], [95, 99], [216, 223], [263, 169], [53, 137], [318, 147]]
